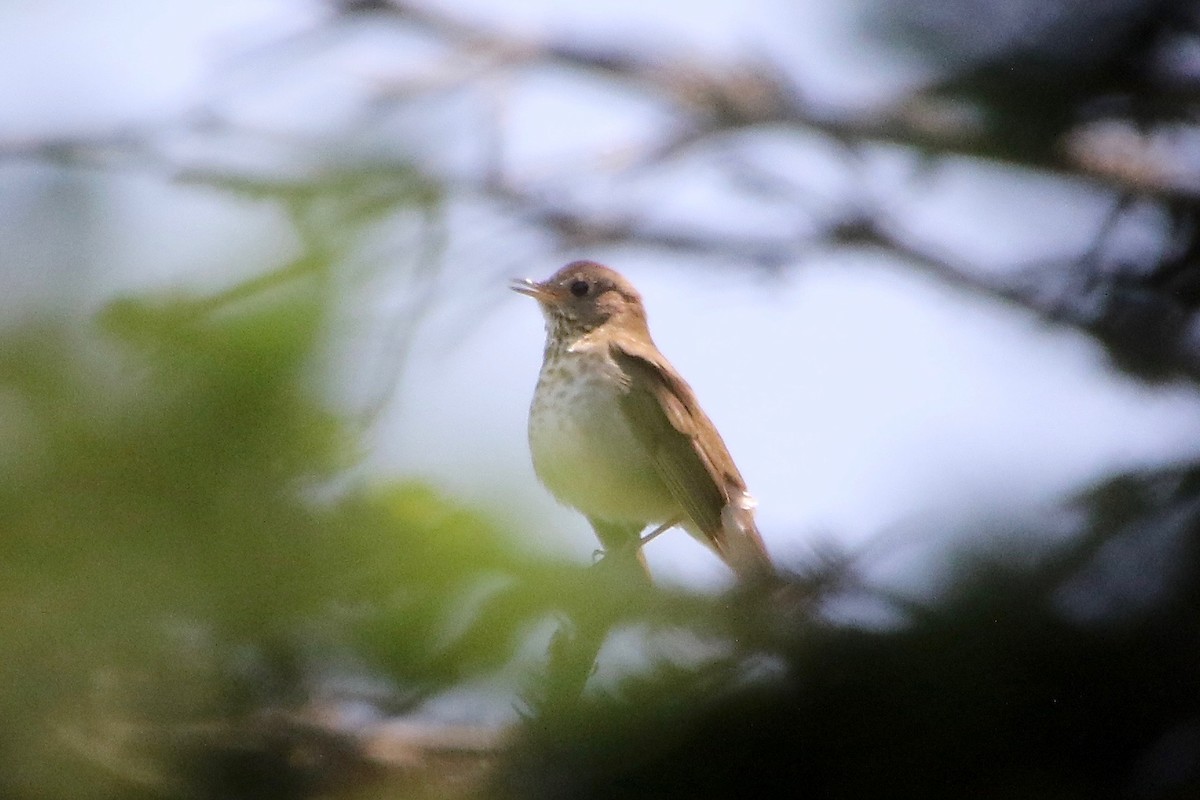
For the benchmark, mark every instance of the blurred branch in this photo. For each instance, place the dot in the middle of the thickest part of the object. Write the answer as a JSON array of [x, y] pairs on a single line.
[[1100, 314], [1142, 316], [712, 100], [311, 754], [1141, 320], [175, 516]]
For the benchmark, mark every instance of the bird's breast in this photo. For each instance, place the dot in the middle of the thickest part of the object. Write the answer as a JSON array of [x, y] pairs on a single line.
[[583, 448]]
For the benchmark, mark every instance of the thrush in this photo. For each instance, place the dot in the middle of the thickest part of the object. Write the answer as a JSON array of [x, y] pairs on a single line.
[[616, 432]]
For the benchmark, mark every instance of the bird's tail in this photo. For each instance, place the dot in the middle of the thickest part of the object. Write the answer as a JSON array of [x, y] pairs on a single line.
[[741, 545]]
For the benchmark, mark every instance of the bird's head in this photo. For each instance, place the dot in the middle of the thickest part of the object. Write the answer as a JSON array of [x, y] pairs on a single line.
[[582, 296]]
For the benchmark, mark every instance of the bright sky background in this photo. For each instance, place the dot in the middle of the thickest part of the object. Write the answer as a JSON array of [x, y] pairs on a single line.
[[857, 397]]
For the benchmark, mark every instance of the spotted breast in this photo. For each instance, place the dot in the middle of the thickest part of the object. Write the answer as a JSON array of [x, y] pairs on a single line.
[[583, 448]]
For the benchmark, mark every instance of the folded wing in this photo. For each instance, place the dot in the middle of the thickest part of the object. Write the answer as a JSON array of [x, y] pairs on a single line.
[[691, 457]]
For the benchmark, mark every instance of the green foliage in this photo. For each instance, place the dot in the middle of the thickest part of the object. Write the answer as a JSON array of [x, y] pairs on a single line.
[[180, 552], [174, 542]]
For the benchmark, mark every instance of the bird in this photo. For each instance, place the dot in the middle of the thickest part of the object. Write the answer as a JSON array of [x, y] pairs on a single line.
[[616, 432]]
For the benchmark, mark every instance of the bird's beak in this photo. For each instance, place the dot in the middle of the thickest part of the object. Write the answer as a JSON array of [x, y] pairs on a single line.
[[531, 288]]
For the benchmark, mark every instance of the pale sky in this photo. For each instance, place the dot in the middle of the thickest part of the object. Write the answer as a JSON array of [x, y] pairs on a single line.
[[856, 396]]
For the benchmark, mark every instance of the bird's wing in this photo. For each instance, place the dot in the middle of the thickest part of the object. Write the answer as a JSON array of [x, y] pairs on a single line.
[[689, 455]]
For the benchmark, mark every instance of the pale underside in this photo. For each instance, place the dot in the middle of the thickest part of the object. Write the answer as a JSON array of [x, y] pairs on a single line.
[[585, 452]]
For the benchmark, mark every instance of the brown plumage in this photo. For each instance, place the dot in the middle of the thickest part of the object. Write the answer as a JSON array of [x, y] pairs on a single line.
[[618, 434]]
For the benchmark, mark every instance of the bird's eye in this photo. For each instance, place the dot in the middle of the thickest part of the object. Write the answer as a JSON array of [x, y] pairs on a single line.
[[579, 288]]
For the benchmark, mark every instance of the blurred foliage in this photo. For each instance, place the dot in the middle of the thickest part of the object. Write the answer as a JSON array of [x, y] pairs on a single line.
[[188, 566], [1035, 70], [180, 567], [1042, 671], [173, 550]]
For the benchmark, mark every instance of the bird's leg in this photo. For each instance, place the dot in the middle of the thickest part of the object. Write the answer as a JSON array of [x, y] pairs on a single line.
[[577, 642], [621, 547], [666, 526]]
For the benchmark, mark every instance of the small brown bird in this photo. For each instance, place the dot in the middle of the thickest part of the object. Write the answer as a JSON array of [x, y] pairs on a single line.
[[616, 433]]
